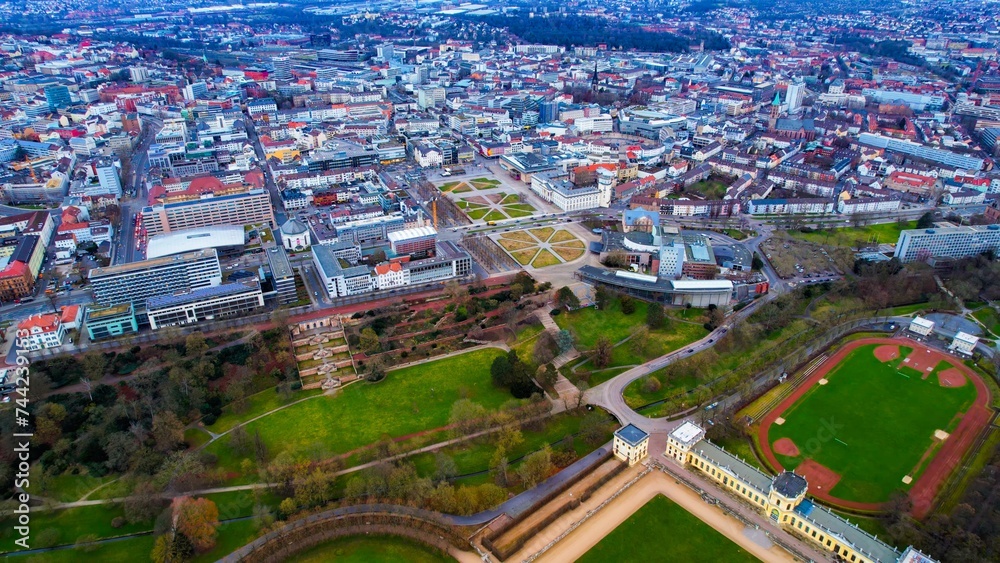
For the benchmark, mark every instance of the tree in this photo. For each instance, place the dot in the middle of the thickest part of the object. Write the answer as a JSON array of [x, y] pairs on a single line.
[[445, 467], [616, 259], [603, 349], [925, 221], [168, 431], [314, 489], [627, 303], [171, 548], [94, 365], [565, 298], [542, 351], [467, 417], [757, 263], [602, 297], [197, 519], [88, 386], [564, 339], [375, 370], [143, 504], [195, 345], [536, 467], [279, 318], [378, 256], [655, 315], [369, 341], [594, 427], [639, 340]]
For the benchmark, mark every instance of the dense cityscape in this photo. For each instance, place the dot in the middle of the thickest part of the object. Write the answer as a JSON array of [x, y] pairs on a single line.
[[434, 281]]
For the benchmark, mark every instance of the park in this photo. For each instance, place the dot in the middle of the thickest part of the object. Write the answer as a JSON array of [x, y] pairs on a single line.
[[878, 416]]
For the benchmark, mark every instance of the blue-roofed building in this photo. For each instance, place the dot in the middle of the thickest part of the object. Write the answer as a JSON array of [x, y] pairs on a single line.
[[631, 444], [205, 304]]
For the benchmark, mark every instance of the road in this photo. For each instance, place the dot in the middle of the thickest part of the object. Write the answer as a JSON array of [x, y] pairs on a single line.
[[131, 206]]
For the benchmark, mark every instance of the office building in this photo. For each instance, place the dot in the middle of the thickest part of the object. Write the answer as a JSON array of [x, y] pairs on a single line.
[[416, 241], [108, 177], [204, 304], [282, 275], [138, 281], [947, 242], [110, 321], [251, 208], [339, 281], [57, 96]]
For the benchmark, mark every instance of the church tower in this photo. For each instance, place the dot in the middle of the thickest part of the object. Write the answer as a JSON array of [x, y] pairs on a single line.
[[775, 109], [594, 81]]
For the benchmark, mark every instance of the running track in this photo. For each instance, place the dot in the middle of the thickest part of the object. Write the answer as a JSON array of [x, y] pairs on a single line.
[[945, 461]]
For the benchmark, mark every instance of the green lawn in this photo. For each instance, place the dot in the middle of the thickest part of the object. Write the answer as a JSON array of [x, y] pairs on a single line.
[[257, 405], [68, 487], [635, 397], [884, 233], [409, 400], [589, 323], [879, 424], [73, 523], [473, 457], [371, 549], [476, 214], [663, 518], [711, 189], [904, 309], [231, 536], [989, 318], [493, 216], [128, 550]]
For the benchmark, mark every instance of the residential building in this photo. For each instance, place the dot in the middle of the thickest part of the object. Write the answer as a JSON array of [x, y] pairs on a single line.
[[390, 275], [41, 331]]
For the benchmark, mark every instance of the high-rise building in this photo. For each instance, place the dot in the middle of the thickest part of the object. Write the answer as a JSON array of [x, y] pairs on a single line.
[[195, 90], [138, 281], [138, 73], [250, 208], [548, 111], [282, 68], [57, 96], [107, 176], [947, 242], [794, 95]]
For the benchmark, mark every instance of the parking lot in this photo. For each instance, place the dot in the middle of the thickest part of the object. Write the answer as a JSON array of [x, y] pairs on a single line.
[[794, 259]]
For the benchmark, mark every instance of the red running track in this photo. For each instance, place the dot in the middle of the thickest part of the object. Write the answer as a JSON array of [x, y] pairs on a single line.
[[948, 457]]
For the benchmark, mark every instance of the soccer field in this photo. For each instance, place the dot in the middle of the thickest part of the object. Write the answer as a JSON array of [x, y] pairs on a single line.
[[872, 424]]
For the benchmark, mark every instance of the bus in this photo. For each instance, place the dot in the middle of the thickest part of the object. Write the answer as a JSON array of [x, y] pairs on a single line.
[[491, 223]]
